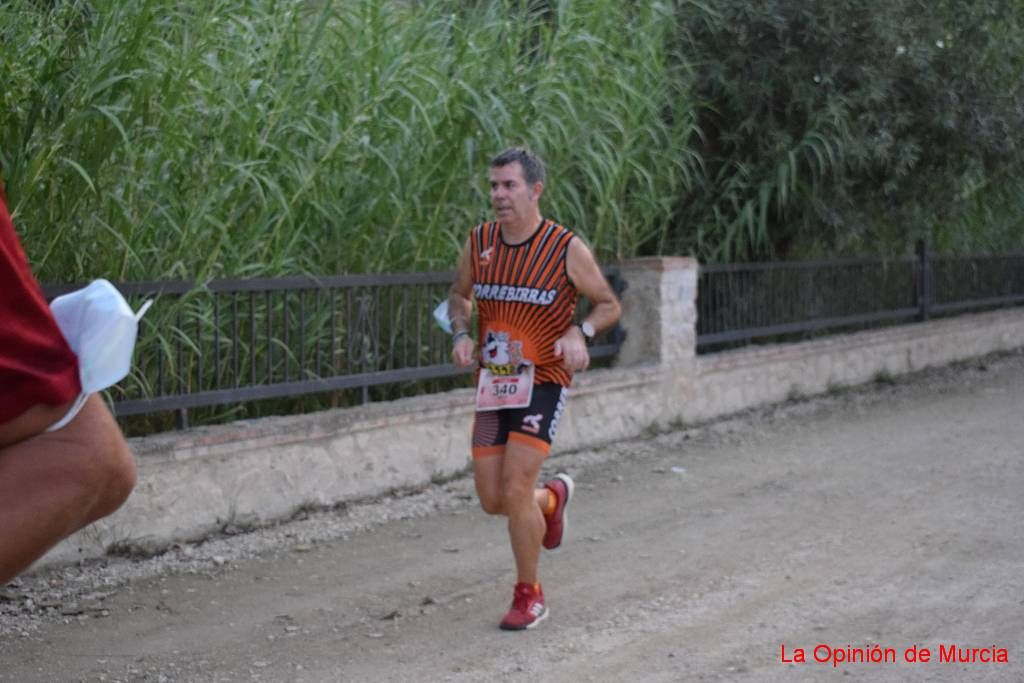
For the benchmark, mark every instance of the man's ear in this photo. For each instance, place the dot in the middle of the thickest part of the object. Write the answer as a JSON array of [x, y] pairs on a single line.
[[538, 189]]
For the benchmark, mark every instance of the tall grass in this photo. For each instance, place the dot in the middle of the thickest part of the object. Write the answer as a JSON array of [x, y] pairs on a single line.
[[156, 139], [160, 139]]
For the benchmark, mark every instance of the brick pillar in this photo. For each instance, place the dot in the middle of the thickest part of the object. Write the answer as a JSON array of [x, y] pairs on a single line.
[[659, 311]]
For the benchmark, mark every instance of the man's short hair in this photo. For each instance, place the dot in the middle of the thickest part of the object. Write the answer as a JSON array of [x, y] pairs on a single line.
[[533, 167]]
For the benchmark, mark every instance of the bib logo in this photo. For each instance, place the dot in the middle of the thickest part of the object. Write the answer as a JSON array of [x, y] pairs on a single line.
[[501, 356]]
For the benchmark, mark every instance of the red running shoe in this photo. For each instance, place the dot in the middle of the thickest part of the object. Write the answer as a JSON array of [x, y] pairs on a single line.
[[561, 485], [527, 609]]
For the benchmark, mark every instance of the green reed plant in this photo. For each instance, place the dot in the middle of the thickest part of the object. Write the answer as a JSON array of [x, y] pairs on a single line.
[[236, 138], [254, 137]]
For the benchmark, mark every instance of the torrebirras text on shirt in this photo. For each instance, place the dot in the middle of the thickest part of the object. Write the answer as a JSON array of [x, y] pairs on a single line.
[[526, 295]]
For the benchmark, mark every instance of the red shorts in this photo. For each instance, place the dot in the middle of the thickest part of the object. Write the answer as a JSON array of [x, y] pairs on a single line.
[[534, 425], [36, 364]]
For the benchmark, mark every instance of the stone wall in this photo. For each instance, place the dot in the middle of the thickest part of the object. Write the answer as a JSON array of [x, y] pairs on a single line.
[[195, 482], [735, 380]]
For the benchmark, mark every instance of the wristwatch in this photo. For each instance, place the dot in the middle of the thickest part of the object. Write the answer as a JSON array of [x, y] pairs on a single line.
[[588, 330]]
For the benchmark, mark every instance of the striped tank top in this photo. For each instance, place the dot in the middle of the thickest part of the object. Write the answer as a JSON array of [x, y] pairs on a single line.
[[525, 300]]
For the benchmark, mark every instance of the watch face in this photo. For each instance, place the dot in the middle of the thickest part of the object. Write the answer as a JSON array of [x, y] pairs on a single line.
[[588, 330]]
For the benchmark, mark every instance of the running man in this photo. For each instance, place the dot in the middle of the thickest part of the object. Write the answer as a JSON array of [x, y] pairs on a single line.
[[51, 483], [525, 272]]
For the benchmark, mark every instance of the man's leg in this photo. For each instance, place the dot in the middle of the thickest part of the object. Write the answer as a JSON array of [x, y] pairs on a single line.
[[489, 437], [53, 484], [487, 475], [487, 478], [520, 501]]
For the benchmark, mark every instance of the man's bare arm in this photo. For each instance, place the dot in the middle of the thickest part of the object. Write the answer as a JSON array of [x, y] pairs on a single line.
[[460, 305], [460, 310], [605, 310], [586, 275]]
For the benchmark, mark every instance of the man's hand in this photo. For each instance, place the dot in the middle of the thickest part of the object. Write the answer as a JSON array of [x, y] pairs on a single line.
[[572, 349], [462, 351]]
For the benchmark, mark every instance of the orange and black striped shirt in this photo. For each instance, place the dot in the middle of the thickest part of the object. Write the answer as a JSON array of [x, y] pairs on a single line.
[[525, 300]]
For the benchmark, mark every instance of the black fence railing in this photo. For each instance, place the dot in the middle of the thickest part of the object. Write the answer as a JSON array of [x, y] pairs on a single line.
[[957, 284], [233, 342], [743, 303], [244, 340]]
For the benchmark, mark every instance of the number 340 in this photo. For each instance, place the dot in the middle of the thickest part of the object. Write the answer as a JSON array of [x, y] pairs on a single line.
[[504, 390]]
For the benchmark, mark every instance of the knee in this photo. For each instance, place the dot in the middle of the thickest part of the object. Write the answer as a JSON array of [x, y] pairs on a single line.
[[491, 505], [108, 471], [116, 477], [517, 490]]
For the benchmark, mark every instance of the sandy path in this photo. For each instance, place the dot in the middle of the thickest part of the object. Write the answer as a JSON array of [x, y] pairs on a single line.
[[888, 515]]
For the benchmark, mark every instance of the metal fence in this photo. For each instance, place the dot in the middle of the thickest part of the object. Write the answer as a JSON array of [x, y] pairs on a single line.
[[742, 303], [235, 341]]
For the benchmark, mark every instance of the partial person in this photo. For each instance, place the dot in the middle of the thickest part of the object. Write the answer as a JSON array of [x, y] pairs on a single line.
[[525, 273], [52, 483]]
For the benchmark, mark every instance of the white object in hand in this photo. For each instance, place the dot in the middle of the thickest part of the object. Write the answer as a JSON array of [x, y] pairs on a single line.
[[441, 316], [101, 328]]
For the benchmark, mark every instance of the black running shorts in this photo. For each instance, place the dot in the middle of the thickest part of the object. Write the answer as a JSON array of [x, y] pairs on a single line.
[[534, 425]]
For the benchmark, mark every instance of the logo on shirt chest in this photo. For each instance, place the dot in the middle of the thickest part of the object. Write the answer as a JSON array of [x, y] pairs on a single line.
[[526, 295], [501, 355]]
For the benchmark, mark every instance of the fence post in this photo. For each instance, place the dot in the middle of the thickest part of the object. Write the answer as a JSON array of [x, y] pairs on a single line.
[[924, 262], [659, 311]]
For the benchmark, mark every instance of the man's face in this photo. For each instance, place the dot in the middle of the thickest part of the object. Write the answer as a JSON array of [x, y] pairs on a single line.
[[512, 199]]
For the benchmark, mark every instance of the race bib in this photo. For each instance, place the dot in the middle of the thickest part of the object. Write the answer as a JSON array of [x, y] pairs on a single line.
[[498, 392]]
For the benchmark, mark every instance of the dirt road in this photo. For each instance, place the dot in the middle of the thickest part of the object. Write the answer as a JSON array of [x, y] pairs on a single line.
[[889, 515]]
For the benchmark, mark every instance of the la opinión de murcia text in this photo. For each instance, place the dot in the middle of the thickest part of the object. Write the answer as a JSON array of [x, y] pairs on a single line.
[[876, 654]]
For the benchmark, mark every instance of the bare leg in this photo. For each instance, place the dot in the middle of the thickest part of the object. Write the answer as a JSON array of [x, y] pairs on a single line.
[[487, 474], [487, 477], [525, 519], [542, 496], [52, 484]]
